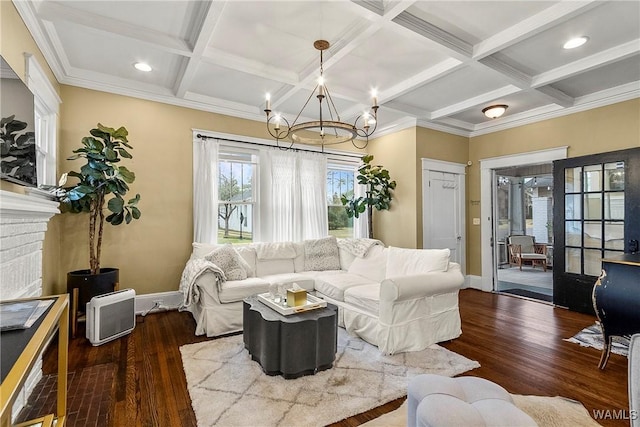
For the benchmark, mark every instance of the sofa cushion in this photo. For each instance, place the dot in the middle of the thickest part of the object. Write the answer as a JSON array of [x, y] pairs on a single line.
[[346, 258], [267, 267], [298, 261], [231, 263], [321, 254], [407, 262], [305, 282], [200, 250], [373, 266], [335, 284], [365, 298], [237, 290], [275, 250]]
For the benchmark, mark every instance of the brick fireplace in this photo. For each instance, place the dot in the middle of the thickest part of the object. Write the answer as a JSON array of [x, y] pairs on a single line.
[[23, 222]]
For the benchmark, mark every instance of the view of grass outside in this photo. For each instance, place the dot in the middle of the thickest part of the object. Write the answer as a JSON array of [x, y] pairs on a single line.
[[234, 237]]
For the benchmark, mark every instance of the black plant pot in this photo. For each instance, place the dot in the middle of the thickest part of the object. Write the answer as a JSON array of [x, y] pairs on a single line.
[[90, 285]]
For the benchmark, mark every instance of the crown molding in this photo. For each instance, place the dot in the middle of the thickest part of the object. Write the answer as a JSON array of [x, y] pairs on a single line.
[[434, 33]]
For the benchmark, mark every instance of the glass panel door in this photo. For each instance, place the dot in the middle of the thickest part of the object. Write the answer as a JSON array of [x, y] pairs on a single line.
[[596, 217]]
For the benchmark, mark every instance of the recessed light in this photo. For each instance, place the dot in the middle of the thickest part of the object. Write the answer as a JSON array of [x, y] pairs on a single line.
[[142, 66], [575, 42]]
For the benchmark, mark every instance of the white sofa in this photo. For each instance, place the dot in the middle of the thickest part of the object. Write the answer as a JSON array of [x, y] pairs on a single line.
[[398, 299]]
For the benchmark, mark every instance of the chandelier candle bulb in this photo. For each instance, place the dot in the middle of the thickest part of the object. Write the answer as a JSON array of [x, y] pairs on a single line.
[[268, 107]]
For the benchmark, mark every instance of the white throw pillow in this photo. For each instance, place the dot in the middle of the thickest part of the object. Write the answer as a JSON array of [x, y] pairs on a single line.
[[373, 266], [248, 254], [406, 262], [231, 263], [321, 254]]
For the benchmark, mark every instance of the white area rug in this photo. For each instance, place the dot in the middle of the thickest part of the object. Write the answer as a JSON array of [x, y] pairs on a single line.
[[591, 336], [227, 388], [546, 411]]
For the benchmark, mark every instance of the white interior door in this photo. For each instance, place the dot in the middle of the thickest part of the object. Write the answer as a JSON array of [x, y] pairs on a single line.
[[443, 208]]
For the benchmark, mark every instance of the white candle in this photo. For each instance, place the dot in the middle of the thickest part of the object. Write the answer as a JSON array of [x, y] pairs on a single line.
[[268, 107]]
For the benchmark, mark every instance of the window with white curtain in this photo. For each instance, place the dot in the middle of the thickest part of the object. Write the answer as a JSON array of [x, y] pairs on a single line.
[[340, 182], [237, 185], [246, 192]]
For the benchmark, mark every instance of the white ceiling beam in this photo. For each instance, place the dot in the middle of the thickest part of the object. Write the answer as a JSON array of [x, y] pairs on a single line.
[[552, 16], [474, 102], [556, 96], [435, 34], [524, 81], [430, 74], [210, 13], [51, 11], [514, 75], [594, 61]]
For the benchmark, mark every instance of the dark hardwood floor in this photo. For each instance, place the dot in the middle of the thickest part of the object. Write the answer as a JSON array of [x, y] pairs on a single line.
[[519, 344]]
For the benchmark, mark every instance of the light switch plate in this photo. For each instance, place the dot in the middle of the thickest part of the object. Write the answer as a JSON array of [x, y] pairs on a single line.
[[476, 221]]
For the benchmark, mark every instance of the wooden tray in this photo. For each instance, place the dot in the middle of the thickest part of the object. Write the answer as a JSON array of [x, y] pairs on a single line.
[[313, 303]]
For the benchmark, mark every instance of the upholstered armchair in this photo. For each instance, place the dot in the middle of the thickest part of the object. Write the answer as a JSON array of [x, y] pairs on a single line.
[[524, 249]]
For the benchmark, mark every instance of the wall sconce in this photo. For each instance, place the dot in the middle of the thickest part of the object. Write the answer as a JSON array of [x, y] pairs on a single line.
[[495, 111]]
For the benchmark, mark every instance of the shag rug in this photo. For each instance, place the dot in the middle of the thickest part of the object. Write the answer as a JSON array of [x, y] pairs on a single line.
[[546, 412], [227, 388], [591, 336]]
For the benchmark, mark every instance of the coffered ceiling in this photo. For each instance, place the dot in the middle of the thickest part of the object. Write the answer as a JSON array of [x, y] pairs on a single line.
[[435, 64]]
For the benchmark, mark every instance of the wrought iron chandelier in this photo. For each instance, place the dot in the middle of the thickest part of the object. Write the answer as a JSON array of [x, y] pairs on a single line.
[[331, 131]]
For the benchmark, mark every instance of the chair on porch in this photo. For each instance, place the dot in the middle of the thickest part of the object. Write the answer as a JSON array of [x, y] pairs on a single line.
[[523, 249]]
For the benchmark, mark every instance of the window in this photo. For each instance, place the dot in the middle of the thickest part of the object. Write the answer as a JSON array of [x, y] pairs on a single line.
[[237, 183], [47, 104], [594, 215], [340, 181]]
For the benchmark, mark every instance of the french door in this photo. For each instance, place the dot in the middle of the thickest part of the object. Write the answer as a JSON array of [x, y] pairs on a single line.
[[596, 215]]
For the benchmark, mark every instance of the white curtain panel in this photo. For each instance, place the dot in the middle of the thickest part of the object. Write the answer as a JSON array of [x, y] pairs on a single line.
[[312, 172], [205, 191], [293, 204], [360, 224]]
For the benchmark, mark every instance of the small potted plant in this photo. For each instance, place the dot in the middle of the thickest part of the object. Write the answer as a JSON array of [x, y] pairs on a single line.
[[102, 175], [377, 194]]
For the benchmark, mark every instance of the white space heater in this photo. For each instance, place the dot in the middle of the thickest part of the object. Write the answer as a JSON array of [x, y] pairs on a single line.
[[111, 316]]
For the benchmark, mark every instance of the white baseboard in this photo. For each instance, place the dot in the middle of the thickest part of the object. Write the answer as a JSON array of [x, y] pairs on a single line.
[[473, 282], [168, 301]]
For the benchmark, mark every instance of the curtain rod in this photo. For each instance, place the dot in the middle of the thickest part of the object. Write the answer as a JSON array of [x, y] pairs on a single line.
[[275, 146]]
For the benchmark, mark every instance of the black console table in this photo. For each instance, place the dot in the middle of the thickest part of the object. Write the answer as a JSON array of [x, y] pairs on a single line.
[[616, 299], [291, 346]]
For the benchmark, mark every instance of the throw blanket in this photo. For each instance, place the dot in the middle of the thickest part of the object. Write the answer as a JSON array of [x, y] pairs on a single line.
[[194, 269], [358, 247]]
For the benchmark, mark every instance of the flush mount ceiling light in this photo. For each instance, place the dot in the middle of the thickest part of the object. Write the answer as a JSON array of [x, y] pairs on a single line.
[[575, 42], [331, 131], [495, 111], [141, 66]]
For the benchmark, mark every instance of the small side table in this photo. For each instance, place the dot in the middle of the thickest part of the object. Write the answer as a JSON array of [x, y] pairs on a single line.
[[291, 346]]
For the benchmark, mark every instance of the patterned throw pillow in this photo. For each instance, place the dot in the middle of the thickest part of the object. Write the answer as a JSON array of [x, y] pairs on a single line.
[[231, 263], [321, 254]]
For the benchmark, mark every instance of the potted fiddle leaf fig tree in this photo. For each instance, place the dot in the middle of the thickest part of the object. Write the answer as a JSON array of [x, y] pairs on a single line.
[[101, 177], [377, 194]]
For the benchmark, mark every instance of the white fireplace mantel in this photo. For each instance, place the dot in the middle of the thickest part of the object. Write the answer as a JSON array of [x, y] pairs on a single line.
[[16, 205]]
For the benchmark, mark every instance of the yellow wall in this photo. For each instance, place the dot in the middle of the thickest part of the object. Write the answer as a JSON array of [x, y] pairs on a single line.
[[610, 128], [15, 41], [396, 153]]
